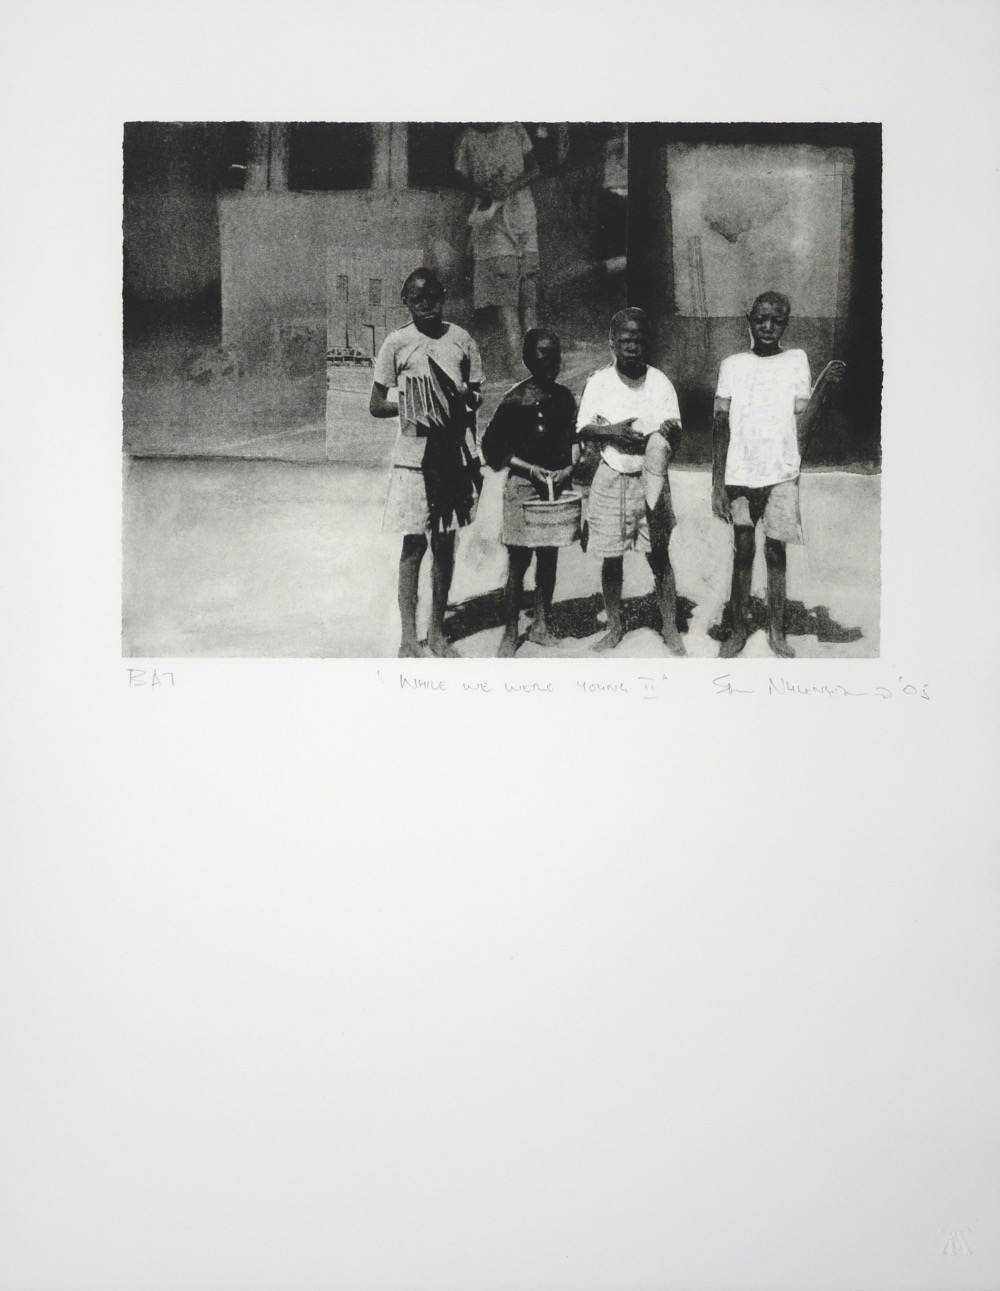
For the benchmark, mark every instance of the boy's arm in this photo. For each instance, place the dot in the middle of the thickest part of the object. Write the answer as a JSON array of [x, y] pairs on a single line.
[[616, 432], [720, 451], [563, 476], [592, 427], [670, 426], [379, 404]]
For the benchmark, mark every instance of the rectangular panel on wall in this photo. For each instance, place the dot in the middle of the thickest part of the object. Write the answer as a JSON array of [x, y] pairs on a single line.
[[748, 218]]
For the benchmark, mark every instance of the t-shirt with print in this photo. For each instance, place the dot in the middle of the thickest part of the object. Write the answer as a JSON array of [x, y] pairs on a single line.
[[404, 353], [763, 440], [494, 159], [609, 395]]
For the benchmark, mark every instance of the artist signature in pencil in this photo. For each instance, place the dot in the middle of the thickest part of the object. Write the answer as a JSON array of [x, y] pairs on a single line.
[[724, 685]]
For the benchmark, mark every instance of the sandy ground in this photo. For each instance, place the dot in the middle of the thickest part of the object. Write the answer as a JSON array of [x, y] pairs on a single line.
[[284, 559]]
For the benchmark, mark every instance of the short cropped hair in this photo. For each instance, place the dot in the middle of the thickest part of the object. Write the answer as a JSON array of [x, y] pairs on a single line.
[[632, 314], [531, 339], [773, 298], [428, 275]]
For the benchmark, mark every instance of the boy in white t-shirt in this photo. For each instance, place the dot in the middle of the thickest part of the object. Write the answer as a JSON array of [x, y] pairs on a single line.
[[629, 407], [757, 437]]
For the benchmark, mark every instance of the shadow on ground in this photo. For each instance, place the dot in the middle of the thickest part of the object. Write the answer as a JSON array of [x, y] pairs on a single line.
[[799, 622], [576, 618]]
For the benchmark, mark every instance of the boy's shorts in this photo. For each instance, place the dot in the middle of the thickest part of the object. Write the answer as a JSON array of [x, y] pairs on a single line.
[[497, 279], [616, 513], [406, 509], [776, 504]]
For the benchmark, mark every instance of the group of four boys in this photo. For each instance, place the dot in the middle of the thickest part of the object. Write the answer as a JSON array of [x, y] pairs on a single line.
[[629, 413]]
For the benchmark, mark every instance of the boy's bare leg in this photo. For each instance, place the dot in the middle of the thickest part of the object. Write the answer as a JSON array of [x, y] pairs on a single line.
[[739, 601], [443, 552], [520, 559], [414, 546], [666, 598], [775, 556], [612, 577], [659, 520], [546, 561]]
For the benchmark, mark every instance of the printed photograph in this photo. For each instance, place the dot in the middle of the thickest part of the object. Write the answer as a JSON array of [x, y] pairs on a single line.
[[501, 389]]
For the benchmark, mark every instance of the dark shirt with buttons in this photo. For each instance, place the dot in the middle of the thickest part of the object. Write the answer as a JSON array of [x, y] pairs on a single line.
[[537, 426]]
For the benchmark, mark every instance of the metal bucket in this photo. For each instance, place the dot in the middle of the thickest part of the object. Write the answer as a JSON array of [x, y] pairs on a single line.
[[554, 522]]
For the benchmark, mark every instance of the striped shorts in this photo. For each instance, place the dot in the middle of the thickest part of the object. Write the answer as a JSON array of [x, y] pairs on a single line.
[[616, 513]]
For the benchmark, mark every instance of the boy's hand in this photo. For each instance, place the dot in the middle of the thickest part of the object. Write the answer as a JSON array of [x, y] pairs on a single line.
[[629, 434], [671, 429], [540, 476], [720, 504], [561, 478]]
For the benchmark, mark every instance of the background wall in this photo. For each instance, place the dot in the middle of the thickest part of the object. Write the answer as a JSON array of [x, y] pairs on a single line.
[[718, 214], [170, 223], [274, 249]]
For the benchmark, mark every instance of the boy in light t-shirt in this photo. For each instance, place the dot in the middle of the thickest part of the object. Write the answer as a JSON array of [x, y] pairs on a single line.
[[628, 408], [430, 493], [757, 435]]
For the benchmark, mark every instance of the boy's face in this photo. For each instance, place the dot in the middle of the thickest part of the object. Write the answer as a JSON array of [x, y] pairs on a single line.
[[546, 360], [424, 300], [629, 345], [767, 324]]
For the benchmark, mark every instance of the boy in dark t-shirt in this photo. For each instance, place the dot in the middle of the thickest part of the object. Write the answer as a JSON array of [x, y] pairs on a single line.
[[533, 434]]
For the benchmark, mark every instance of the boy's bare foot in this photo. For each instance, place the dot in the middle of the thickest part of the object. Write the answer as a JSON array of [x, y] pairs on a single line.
[[673, 642], [411, 650], [733, 643], [609, 641], [542, 636], [508, 645], [780, 646], [440, 648]]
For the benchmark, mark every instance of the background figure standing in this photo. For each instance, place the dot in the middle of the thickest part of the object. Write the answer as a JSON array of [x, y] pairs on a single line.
[[624, 406], [430, 492], [533, 433], [497, 161]]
